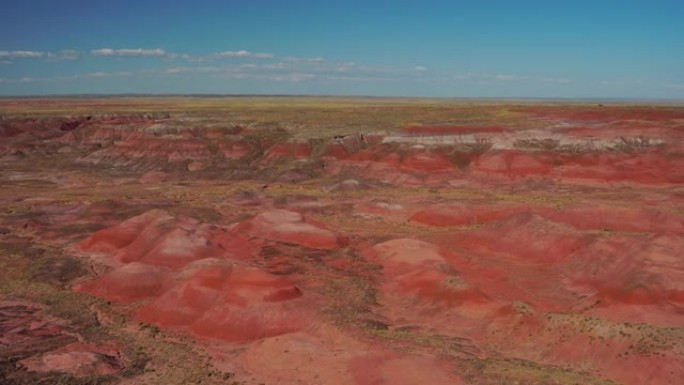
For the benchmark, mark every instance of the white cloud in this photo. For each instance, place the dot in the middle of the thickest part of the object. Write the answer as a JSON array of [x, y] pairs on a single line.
[[19, 80], [556, 80], [129, 52], [510, 77], [263, 67], [175, 70], [304, 59], [50, 56], [675, 86], [65, 54], [263, 55], [100, 74], [195, 59], [243, 54], [287, 69], [21, 54], [294, 77], [618, 83], [343, 66], [465, 76], [204, 70], [358, 78], [490, 79]]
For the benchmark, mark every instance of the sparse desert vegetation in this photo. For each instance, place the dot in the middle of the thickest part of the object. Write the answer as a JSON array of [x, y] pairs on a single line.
[[282, 240]]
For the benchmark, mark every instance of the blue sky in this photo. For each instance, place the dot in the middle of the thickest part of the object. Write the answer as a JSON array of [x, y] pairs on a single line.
[[485, 48]]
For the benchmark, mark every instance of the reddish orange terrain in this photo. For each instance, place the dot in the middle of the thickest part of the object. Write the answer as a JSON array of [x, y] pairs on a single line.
[[302, 241]]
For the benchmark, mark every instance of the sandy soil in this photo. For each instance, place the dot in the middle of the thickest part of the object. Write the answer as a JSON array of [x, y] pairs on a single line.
[[478, 244]]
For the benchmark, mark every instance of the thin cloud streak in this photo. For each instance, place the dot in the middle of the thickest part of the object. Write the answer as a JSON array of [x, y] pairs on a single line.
[[503, 78], [21, 54], [65, 54], [243, 54], [19, 80], [129, 52], [304, 59], [287, 69]]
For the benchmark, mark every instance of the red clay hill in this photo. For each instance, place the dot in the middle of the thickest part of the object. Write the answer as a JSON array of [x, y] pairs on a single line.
[[489, 244]]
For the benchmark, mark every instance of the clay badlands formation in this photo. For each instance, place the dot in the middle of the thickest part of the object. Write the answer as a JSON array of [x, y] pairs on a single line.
[[340, 241]]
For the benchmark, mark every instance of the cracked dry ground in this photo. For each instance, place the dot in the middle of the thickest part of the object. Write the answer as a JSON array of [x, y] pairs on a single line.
[[224, 241]]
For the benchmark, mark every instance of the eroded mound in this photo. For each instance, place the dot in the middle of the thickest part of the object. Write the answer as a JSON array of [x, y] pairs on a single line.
[[290, 227], [41, 343], [198, 277], [454, 244], [218, 299]]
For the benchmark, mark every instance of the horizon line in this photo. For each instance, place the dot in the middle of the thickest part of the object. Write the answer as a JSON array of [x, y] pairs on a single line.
[[228, 95]]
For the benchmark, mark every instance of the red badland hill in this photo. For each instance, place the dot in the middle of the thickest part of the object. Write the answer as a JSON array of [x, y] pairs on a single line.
[[529, 244]]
